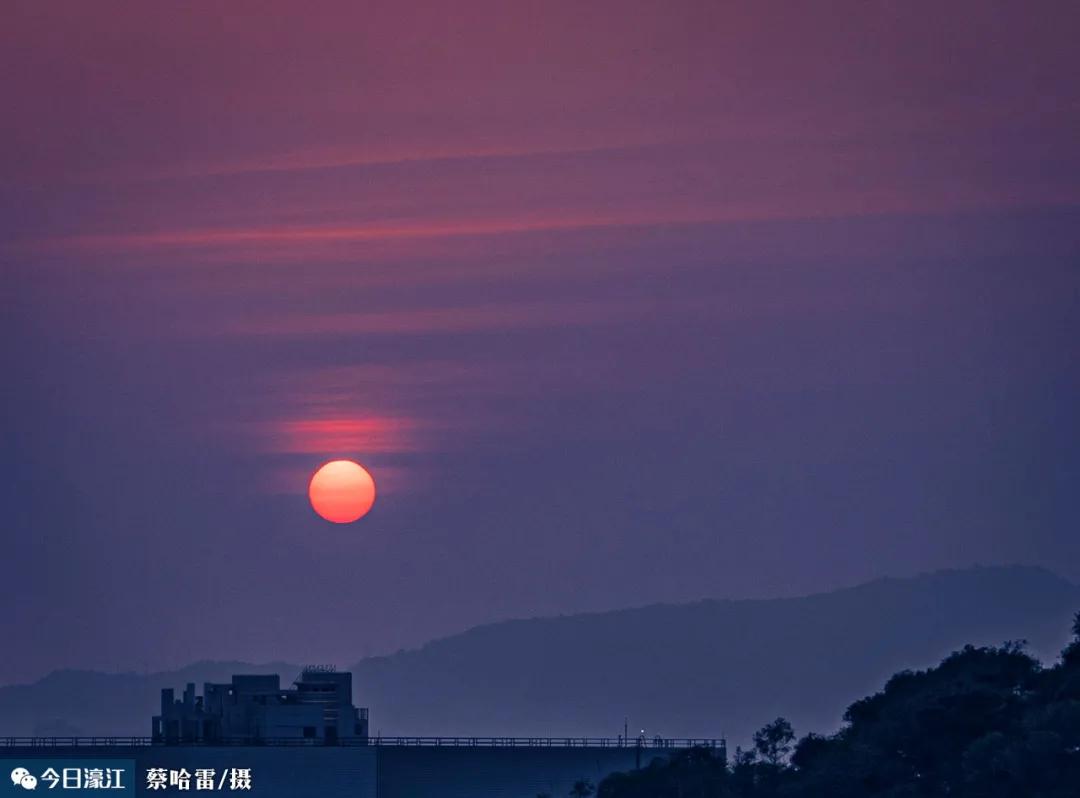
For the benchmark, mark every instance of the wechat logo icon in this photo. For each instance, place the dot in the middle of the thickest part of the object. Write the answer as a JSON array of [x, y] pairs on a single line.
[[21, 777]]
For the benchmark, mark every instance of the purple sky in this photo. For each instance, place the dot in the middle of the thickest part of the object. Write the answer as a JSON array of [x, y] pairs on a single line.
[[620, 302]]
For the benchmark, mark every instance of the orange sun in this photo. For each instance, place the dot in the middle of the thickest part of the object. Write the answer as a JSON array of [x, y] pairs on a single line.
[[342, 491]]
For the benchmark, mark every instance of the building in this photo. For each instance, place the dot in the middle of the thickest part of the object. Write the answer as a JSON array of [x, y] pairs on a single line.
[[255, 708], [309, 741]]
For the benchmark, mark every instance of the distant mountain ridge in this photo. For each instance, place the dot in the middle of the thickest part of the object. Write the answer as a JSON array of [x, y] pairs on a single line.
[[701, 669], [91, 703]]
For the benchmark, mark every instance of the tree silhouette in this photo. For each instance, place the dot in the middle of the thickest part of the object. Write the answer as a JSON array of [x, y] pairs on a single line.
[[988, 722], [773, 741], [1071, 655], [582, 788]]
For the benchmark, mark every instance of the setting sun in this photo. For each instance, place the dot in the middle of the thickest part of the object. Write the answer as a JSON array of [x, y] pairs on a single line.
[[342, 491]]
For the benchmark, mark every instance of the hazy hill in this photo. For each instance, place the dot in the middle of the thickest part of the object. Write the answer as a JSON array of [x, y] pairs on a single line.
[[698, 669], [88, 703], [710, 667]]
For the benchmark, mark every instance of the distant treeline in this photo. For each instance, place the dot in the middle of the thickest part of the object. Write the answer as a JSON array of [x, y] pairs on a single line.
[[985, 723]]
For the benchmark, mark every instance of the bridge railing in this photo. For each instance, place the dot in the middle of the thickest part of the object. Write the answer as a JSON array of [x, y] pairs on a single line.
[[435, 742]]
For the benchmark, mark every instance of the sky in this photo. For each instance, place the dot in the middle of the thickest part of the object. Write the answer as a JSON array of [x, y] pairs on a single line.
[[620, 303]]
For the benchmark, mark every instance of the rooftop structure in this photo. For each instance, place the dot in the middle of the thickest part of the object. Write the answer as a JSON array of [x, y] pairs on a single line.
[[318, 708]]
